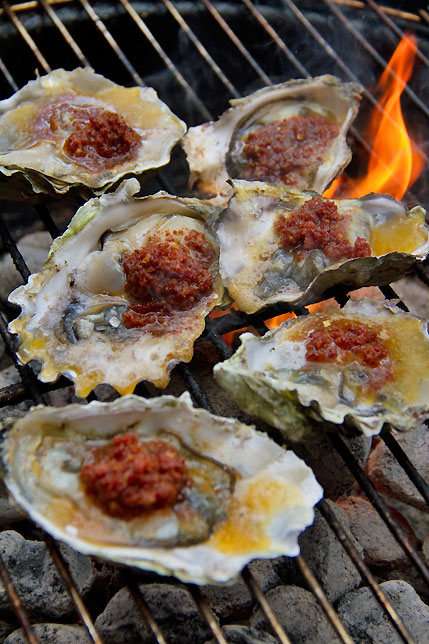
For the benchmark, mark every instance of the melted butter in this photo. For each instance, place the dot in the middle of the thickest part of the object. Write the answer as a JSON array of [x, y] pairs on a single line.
[[402, 234], [250, 513], [409, 349], [128, 102]]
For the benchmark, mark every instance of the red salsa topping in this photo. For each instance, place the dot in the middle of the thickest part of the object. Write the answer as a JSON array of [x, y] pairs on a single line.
[[318, 224], [170, 275], [285, 151], [97, 138], [128, 476], [345, 341]]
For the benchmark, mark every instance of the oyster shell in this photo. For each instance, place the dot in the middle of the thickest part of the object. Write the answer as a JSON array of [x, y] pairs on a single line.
[[257, 496], [78, 129], [258, 270], [215, 150], [75, 310], [374, 372]]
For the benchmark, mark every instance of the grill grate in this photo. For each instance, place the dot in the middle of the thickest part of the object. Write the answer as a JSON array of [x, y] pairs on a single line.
[[28, 23]]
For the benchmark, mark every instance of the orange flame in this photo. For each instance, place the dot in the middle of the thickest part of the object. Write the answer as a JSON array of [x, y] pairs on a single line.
[[395, 161]]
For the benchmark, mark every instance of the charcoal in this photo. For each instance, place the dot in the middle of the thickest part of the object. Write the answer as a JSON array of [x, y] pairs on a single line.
[[9, 376], [9, 511], [328, 466], [264, 572], [172, 607], [325, 556], [6, 628], [389, 477], [36, 578], [425, 549], [300, 615], [417, 518], [245, 635], [52, 634], [367, 624], [230, 601], [380, 548]]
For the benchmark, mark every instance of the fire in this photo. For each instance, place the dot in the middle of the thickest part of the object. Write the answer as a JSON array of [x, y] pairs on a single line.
[[395, 161]]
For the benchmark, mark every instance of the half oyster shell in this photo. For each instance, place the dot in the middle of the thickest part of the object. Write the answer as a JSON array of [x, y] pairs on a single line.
[[299, 130], [255, 496], [365, 365], [78, 129], [259, 269], [80, 316]]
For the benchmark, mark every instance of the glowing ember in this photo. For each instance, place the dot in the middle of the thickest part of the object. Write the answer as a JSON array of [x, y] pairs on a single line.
[[395, 162]]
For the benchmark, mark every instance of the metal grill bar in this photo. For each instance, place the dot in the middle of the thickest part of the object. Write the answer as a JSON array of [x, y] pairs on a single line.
[[332, 54], [146, 612], [112, 42], [406, 464], [381, 12], [65, 33], [17, 604], [26, 37], [349, 547], [237, 42], [323, 600], [70, 585], [375, 55], [370, 491], [207, 614], [200, 47], [166, 60]]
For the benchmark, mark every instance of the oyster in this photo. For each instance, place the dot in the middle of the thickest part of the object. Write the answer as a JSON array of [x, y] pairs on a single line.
[[366, 364], [124, 292], [292, 134], [78, 129], [279, 245], [243, 495]]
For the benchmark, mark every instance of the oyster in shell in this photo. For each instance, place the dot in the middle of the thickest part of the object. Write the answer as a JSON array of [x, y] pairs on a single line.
[[78, 129], [124, 292], [366, 365], [292, 134], [244, 496], [279, 245]]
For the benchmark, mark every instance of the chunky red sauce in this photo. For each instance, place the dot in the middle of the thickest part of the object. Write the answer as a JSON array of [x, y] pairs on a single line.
[[95, 137], [128, 477], [170, 275], [283, 152], [345, 341], [318, 224]]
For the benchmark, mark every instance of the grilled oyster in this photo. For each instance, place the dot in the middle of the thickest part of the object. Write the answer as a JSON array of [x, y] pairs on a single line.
[[223, 495], [366, 364], [123, 293], [292, 134], [279, 245], [69, 129]]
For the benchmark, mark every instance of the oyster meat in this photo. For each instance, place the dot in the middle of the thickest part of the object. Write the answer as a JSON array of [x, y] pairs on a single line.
[[365, 365], [218, 495], [124, 292], [78, 129], [292, 134], [280, 245]]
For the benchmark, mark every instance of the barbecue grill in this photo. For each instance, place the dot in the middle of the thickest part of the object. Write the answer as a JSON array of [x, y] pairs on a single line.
[[198, 55]]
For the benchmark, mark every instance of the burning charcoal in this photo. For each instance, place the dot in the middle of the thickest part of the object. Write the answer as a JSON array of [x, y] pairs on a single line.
[[389, 477], [52, 634], [366, 622], [34, 248], [379, 546], [36, 578], [330, 470], [417, 518], [298, 612], [171, 606], [245, 635], [9, 511], [325, 556]]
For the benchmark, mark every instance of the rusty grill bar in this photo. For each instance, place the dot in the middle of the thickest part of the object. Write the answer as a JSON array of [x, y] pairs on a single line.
[[52, 12]]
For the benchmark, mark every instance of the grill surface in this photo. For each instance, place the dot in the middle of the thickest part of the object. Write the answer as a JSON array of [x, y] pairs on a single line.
[[197, 56]]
